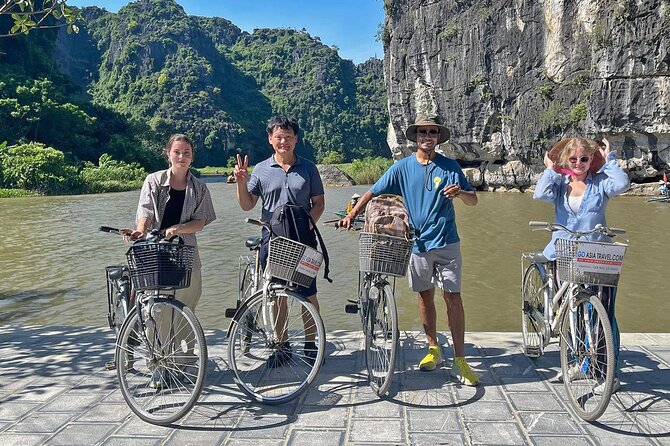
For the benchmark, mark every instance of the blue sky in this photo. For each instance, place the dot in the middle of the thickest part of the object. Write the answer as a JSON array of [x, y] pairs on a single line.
[[350, 25]]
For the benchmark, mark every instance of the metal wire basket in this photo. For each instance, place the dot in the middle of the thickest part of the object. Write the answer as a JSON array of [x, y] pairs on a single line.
[[160, 265], [383, 254], [589, 263], [292, 261]]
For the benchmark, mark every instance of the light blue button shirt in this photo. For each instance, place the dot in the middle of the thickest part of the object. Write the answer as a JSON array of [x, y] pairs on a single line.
[[607, 183]]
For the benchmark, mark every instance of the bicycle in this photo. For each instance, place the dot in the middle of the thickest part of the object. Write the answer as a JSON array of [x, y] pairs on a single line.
[[269, 324], [161, 353], [560, 299], [382, 258]]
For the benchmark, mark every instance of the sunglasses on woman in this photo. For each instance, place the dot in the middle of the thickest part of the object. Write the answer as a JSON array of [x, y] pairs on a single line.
[[583, 159], [428, 132]]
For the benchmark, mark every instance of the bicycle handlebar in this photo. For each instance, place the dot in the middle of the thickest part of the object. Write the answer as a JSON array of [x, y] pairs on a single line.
[[154, 235], [262, 223], [551, 227], [111, 230]]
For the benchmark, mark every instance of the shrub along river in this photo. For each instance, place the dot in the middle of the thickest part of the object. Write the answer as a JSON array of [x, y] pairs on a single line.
[[52, 268]]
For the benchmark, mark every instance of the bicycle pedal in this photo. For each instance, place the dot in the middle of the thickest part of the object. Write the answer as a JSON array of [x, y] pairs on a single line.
[[110, 365], [230, 312], [351, 308]]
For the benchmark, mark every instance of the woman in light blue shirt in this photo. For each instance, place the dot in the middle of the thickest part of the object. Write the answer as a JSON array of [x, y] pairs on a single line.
[[580, 178]]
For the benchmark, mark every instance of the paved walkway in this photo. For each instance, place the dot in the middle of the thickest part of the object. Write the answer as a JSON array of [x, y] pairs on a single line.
[[54, 391]]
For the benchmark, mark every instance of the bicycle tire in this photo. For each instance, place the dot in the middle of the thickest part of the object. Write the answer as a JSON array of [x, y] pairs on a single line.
[[584, 366], [161, 373], [534, 286], [381, 338], [251, 371]]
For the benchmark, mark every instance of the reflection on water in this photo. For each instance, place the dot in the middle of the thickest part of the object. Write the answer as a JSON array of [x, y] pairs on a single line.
[[52, 267]]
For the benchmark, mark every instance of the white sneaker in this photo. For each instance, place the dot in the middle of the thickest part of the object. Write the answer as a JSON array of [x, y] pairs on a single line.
[[616, 385], [574, 374]]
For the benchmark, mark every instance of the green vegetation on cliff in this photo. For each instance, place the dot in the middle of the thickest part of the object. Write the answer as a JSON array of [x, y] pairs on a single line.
[[128, 80]]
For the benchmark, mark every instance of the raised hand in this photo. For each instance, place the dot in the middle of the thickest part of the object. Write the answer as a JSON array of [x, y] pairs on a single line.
[[452, 191], [547, 161], [605, 149], [241, 171]]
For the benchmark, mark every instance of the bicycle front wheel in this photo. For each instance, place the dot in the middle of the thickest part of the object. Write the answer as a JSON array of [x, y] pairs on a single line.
[[587, 356], [162, 367], [381, 337], [533, 291], [278, 365]]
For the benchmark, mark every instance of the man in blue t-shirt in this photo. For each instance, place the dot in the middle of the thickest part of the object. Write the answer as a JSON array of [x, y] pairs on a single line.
[[429, 182]]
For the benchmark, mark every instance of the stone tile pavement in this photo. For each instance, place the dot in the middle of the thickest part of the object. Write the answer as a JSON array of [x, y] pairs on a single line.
[[54, 391]]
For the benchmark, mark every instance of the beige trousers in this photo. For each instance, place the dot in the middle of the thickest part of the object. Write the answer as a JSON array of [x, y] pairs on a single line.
[[176, 337]]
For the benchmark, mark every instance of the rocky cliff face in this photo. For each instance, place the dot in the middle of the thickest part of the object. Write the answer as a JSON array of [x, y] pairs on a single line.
[[510, 78]]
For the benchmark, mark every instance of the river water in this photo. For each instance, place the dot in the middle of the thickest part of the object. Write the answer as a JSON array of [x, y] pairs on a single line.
[[53, 260]]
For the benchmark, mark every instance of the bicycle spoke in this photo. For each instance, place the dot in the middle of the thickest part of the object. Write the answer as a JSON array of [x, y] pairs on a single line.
[[381, 338], [161, 385], [275, 368], [587, 357]]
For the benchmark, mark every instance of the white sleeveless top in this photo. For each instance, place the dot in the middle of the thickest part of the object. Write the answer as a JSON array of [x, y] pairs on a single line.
[[575, 202]]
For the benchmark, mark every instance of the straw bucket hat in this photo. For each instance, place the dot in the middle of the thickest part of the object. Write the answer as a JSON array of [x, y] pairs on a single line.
[[423, 120], [556, 150]]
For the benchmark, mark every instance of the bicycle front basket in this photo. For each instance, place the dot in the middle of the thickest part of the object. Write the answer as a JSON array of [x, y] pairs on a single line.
[[293, 261], [589, 263], [160, 265], [384, 254]]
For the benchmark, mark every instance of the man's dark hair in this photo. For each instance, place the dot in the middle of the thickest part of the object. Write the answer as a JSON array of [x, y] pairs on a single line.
[[283, 122]]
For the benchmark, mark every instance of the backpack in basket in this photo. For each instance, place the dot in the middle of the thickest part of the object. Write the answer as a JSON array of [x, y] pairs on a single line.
[[386, 214]]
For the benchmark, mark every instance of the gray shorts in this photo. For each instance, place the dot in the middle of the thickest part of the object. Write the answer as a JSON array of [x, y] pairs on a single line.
[[441, 267]]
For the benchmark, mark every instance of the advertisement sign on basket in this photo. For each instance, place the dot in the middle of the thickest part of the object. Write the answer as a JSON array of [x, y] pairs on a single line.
[[599, 258], [310, 262]]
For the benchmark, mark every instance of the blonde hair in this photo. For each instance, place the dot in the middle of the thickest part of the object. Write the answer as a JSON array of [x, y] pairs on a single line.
[[589, 146]]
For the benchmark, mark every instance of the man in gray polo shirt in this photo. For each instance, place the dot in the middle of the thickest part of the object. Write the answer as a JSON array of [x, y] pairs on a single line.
[[283, 178]]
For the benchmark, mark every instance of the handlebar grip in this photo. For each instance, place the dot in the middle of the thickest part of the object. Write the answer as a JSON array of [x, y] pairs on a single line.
[[109, 229], [255, 222], [538, 224]]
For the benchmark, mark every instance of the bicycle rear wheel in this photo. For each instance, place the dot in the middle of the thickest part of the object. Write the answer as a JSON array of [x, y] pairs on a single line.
[[275, 368], [381, 337], [162, 370], [587, 356], [533, 291]]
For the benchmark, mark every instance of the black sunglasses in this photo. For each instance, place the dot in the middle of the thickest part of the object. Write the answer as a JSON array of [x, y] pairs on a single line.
[[583, 159], [428, 132]]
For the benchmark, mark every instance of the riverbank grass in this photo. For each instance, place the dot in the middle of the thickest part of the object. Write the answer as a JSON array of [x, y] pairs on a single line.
[[17, 193]]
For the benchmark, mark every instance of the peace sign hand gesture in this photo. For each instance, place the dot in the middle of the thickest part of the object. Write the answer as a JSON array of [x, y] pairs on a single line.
[[241, 171]]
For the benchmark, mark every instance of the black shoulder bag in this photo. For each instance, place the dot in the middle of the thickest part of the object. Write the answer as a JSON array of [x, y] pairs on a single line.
[[292, 221]]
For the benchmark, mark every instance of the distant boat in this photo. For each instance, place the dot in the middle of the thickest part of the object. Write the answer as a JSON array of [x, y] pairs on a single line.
[[662, 199]]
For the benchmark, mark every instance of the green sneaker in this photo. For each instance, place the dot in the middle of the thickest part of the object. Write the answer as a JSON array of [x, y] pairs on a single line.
[[463, 373], [432, 359]]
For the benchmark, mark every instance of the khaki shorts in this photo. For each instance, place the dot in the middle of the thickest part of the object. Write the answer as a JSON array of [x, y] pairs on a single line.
[[438, 267]]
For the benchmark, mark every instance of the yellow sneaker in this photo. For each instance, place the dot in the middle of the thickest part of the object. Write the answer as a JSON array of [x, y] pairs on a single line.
[[432, 359], [463, 373]]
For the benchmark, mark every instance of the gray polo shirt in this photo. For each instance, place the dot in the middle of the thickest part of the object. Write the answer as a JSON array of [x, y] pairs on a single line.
[[276, 187]]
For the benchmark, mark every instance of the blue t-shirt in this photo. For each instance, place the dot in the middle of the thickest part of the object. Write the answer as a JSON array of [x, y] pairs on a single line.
[[431, 213], [276, 187]]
